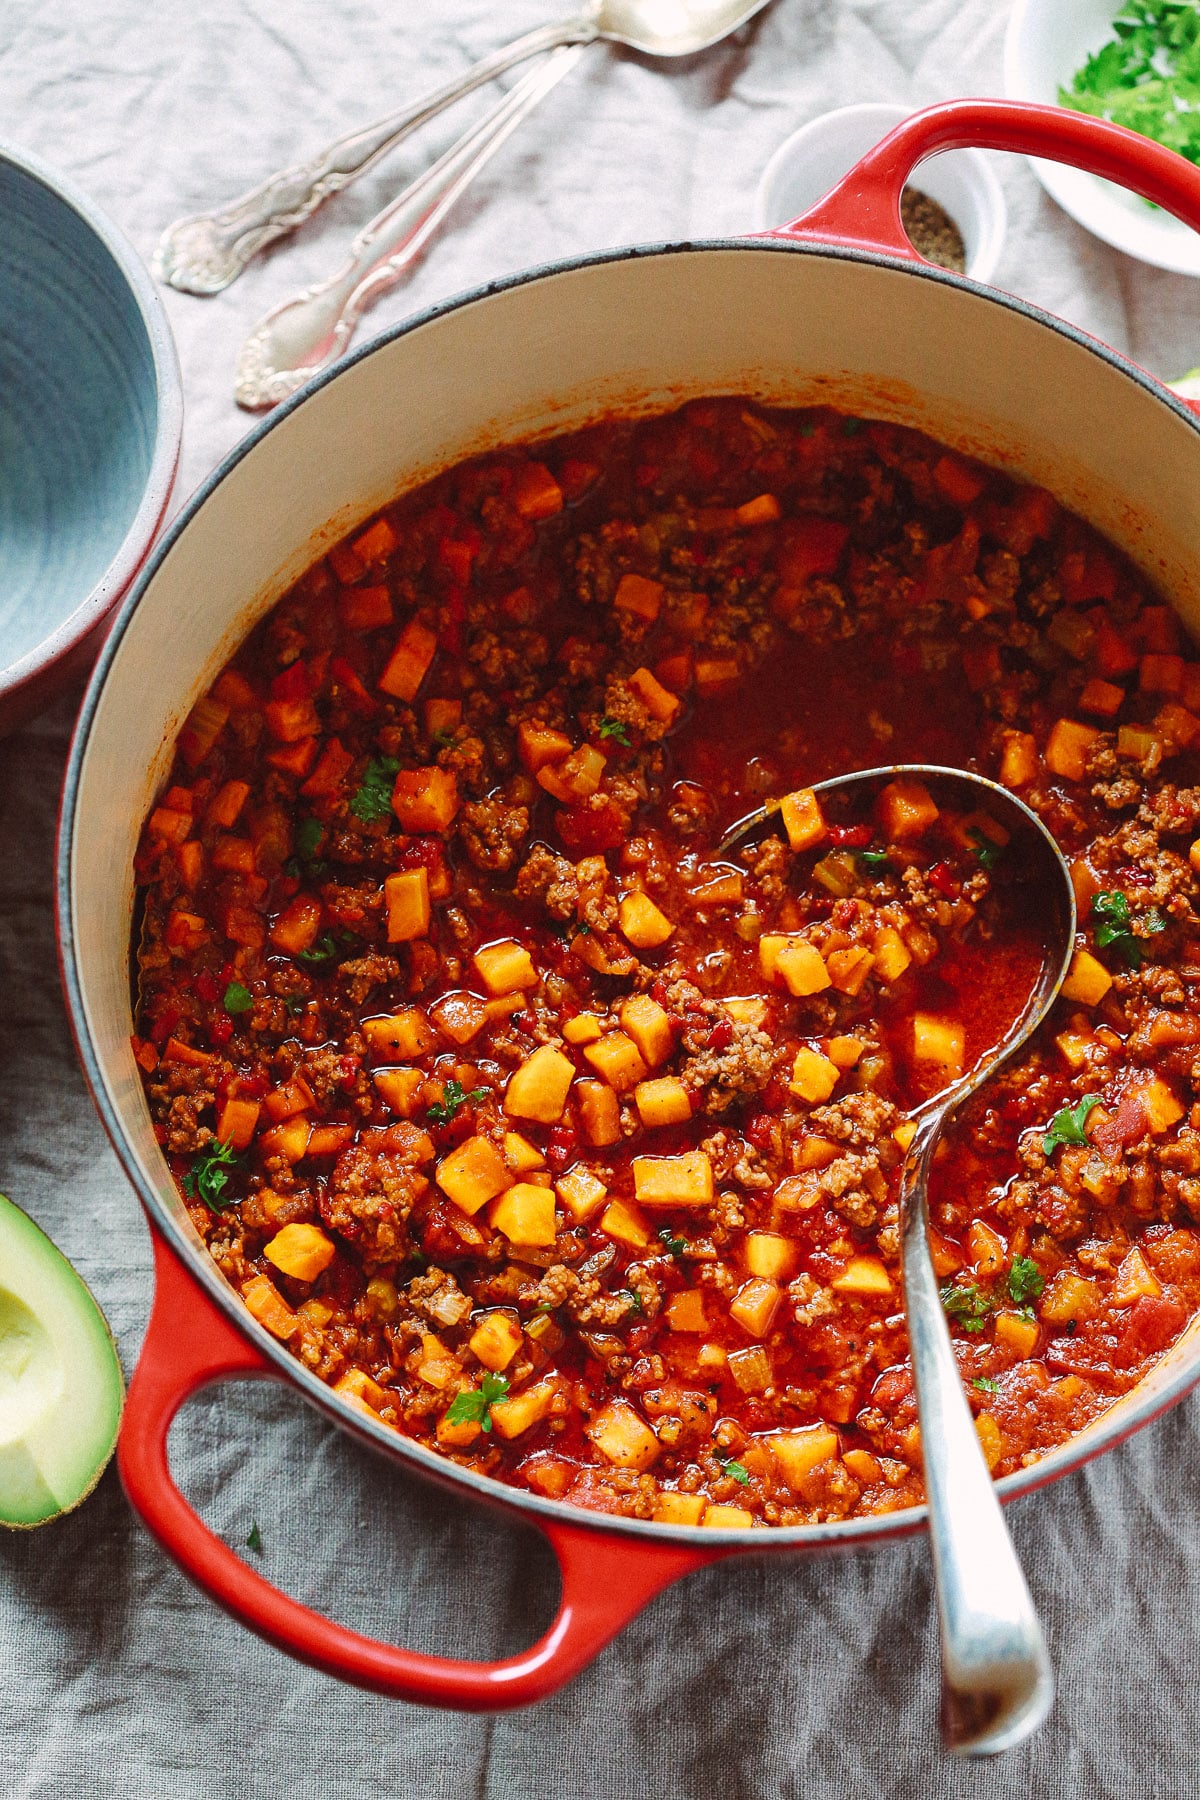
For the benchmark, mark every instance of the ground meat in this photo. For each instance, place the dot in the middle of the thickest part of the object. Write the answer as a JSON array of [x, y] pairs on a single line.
[[439, 1297], [369, 1201], [550, 878], [742, 1068], [491, 831], [364, 973]]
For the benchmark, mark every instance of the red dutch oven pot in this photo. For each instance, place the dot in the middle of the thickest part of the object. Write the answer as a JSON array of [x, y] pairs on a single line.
[[836, 307]]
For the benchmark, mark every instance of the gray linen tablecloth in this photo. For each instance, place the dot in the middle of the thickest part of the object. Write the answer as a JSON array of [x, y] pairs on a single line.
[[775, 1678]]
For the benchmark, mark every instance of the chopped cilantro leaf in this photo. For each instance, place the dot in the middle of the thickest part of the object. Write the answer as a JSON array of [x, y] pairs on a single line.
[[969, 1306], [1147, 75], [675, 1246], [454, 1095], [309, 833], [636, 1308], [738, 1470], [1066, 1127], [873, 859], [986, 1385], [1025, 1280], [1115, 929], [374, 798], [473, 1406], [323, 951], [254, 1541], [983, 848], [238, 998], [615, 729], [208, 1176], [443, 739]]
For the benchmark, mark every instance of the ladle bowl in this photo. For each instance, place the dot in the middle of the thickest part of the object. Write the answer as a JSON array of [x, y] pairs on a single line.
[[997, 1684]]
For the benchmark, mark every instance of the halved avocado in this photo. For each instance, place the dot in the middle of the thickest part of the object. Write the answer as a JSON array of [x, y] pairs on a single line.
[[61, 1385]]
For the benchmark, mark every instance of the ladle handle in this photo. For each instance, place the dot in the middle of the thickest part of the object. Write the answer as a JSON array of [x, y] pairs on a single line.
[[997, 1684]]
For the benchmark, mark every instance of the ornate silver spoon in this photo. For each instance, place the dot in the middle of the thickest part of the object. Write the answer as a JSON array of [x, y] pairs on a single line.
[[205, 252], [997, 1684]]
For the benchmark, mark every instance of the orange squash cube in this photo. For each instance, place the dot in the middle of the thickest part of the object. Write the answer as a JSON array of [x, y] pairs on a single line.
[[236, 1122], [409, 662], [406, 897], [626, 1223], [906, 809], [296, 928], [400, 1089], [768, 1254], [301, 1251], [473, 1174], [814, 1077], [599, 1113], [535, 493], [505, 967], [267, 1305], [649, 1025], [623, 1437], [1067, 748], [755, 1304], [399, 1037], [512, 1416], [525, 1214], [1087, 979], [863, 1275], [797, 1453], [636, 594], [685, 1311], [802, 818], [659, 702], [644, 925], [538, 1089], [664, 1101], [685, 1180], [538, 744], [618, 1059], [425, 799], [496, 1340], [1019, 759]]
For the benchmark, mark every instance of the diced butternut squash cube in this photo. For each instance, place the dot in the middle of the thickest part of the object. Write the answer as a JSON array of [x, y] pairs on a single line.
[[685, 1180], [511, 1416], [520, 1155], [1160, 1106], [457, 1434], [1103, 698], [625, 1222], [906, 809], [525, 1214], [459, 1016], [940, 1042], [356, 1384], [659, 702], [473, 1174], [1019, 759], [268, 1306], [764, 509], [539, 745], [849, 968], [988, 1250], [845, 1052], [864, 1275], [649, 1025], [301, 1251], [1087, 979], [679, 1509], [905, 1132], [1015, 1333], [800, 966], [1067, 748], [990, 1440], [662, 1102], [496, 1340], [237, 1120], [802, 819], [400, 1089], [289, 1140], [645, 926], [1068, 1296], [581, 1191], [398, 1037], [636, 594], [622, 1436], [599, 1113], [770, 1255], [748, 1009], [618, 1059], [797, 1453], [814, 1077], [863, 1466], [575, 778], [505, 967], [538, 1089], [425, 799], [755, 1304], [535, 493], [1134, 1279], [892, 955], [407, 899], [584, 1028], [685, 1311], [727, 1518], [409, 661]]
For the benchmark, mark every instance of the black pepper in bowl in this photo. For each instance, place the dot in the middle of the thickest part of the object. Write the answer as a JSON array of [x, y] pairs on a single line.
[[932, 230]]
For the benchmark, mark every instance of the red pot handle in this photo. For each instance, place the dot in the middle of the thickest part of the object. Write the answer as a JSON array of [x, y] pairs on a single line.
[[191, 1344], [863, 210]]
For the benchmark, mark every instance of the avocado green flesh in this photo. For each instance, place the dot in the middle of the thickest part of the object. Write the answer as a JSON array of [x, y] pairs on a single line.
[[61, 1387]]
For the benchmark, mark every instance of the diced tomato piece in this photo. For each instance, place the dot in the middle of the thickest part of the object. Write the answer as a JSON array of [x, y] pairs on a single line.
[[1112, 653], [1150, 1324], [590, 830]]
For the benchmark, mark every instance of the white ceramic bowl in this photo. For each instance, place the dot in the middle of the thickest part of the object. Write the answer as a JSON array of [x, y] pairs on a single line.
[[807, 164], [1047, 41]]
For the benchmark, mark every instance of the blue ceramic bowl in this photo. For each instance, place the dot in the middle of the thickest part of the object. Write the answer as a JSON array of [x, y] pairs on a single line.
[[90, 418]]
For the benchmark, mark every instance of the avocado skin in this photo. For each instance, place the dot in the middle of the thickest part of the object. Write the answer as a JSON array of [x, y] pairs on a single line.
[[15, 1224]]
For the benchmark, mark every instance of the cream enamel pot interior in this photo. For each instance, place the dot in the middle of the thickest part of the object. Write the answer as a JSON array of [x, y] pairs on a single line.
[[836, 309]]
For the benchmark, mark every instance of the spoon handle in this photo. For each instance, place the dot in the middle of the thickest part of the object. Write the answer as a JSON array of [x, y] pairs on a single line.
[[997, 1684], [307, 333], [207, 251]]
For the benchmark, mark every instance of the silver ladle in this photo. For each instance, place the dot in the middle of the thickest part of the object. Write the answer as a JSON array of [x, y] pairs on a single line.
[[997, 1684]]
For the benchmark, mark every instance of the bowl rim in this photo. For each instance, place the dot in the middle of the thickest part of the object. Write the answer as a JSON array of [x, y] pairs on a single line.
[[69, 633], [830, 1537]]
